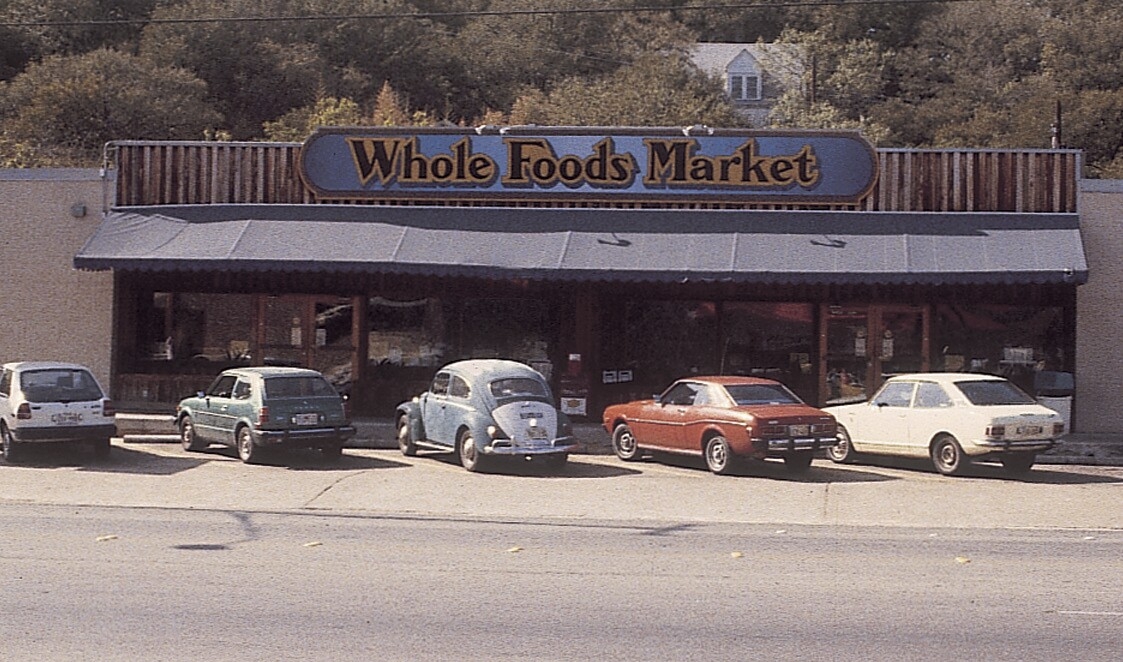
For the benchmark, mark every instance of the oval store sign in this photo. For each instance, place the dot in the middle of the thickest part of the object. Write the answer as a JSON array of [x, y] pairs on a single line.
[[535, 163]]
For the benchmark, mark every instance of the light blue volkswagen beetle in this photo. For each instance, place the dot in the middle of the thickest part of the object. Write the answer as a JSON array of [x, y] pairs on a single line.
[[483, 409]]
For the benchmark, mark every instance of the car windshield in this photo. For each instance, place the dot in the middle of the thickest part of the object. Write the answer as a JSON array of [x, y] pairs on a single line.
[[298, 387], [59, 385], [761, 394], [523, 388], [994, 392]]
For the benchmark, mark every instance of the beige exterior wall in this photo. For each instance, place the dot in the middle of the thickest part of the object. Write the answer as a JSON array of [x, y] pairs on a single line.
[[50, 310], [1099, 309]]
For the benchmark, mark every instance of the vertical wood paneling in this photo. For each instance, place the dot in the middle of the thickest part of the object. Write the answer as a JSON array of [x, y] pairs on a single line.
[[910, 180]]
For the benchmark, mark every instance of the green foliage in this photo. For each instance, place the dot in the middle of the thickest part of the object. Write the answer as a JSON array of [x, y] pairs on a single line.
[[298, 124], [70, 106]]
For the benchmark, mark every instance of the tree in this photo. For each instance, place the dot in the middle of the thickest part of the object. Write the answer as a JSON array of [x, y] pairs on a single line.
[[298, 124], [68, 107]]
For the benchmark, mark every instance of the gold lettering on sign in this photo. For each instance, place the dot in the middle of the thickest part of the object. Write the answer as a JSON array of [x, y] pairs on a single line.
[[388, 160], [676, 163], [532, 162]]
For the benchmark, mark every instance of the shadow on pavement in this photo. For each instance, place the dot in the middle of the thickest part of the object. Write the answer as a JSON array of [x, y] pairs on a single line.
[[774, 470], [306, 459], [121, 460], [1046, 474], [515, 466]]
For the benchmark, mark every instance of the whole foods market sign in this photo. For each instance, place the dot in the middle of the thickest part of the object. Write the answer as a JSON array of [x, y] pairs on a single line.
[[825, 167]]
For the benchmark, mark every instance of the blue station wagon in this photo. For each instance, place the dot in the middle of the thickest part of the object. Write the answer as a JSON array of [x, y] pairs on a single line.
[[483, 409], [255, 408]]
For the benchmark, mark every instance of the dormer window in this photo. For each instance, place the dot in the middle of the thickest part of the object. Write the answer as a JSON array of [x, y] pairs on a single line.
[[744, 87]]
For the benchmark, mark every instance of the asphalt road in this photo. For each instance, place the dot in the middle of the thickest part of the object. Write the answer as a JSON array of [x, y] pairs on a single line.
[[157, 554]]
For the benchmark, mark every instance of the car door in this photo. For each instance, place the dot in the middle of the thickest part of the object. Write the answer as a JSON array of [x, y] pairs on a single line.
[[667, 425], [213, 419], [932, 407], [434, 410], [885, 425]]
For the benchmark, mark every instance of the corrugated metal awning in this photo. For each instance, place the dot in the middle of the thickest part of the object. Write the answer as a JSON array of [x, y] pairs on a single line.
[[805, 247]]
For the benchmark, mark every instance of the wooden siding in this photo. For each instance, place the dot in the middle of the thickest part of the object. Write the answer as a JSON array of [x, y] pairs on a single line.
[[166, 173]]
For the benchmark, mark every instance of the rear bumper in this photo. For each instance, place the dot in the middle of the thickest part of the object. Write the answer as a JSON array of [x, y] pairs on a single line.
[[779, 447], [305, 437], [62, 433], [986, 446], [508, 447]]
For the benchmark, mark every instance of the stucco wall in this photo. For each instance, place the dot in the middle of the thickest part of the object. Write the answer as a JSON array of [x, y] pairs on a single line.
[[49, 310], [1099, 309]]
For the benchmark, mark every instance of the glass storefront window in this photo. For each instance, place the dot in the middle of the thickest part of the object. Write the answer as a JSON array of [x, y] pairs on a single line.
[[194, 332], [518, 329], [772, 340], [406, 332], [666, 340]]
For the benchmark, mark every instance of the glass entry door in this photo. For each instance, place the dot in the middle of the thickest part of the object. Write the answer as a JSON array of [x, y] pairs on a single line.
[[861, 345]]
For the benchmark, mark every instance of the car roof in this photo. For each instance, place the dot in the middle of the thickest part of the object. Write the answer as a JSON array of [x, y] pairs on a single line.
[[947, 377], [43, 365], [728, 380], [266, 372], [491, 368]]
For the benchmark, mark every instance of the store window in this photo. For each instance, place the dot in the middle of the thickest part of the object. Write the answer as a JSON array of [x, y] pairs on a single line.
[[193, 332], [771, 340], [406, 332], [1012, 341], [521, 329], [666, 340]]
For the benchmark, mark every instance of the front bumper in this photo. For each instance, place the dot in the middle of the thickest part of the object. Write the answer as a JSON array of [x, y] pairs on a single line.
[[782, 446], [304, 437], [52, 434], [509, 447]]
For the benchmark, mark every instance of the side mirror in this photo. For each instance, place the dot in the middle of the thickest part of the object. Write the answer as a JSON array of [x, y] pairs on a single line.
[[200, 394]]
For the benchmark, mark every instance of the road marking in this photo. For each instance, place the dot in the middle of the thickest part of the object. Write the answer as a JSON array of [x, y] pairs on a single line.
[[1091, 613]]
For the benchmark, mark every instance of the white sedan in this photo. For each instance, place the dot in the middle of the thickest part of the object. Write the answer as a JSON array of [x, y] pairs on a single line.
[[952, 418]]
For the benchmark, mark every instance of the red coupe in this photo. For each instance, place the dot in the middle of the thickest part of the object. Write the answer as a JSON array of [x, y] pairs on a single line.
[[723, 419]]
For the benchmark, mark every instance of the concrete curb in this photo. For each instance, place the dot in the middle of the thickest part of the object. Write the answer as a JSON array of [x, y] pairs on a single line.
[[1096, 449]]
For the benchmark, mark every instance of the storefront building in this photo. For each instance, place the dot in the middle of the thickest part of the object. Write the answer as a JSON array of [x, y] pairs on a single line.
[[612, 259]]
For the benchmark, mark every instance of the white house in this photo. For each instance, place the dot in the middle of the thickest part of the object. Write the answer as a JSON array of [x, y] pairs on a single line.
[[754, 75]]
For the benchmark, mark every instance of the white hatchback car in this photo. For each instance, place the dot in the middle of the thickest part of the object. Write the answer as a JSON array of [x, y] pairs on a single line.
[[46, 402], [952, 418]]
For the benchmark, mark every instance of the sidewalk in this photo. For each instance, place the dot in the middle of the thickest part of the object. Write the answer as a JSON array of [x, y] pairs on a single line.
[[1088, 448]]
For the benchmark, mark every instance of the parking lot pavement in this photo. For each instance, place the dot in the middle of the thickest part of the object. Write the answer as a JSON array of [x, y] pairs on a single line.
[[383, 483]]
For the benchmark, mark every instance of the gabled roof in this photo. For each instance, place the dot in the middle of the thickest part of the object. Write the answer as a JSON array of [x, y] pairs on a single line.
[[714, 58]]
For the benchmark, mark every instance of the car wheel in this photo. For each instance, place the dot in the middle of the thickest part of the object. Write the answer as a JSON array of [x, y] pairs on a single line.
[[799, 461], [101, 448], [719, 456], [332, 451], [187, 437], [948, 457], [624, 443], [1017, 464], [11, 447], [557, 462], [470, 457], [247, 450], [843, 452], [405, 438]]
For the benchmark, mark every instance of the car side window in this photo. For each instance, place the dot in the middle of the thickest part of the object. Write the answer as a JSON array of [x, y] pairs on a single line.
[[440, 384], [458, 388], [895, 394], [222, 387], [242, 390], [6, 383], [705, 396], [929, 395], [680, 394]]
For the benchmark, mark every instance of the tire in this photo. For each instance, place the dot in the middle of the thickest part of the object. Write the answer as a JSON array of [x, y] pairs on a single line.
[[719, 456], [799, 461], [332, 451], [557, 462], [948, 457], [405, 438], [1018, 464], [187, 437], [624, 443], [12, 450], [470, 457], [248, 452], [101, 448], [843, 452]]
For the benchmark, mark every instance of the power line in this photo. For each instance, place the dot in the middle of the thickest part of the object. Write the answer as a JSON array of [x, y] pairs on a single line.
[[464, 14]]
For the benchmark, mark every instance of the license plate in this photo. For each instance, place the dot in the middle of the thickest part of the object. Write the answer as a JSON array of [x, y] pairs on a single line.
[[306, 419], [66, 418], [536, 432], [799, 430], [1029, 429]]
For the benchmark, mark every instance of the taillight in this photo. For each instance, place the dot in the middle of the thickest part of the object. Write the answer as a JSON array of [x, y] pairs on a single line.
[[347, 408], [107, 408], [263, 415], [1058, 429], [24, 411], [996, 431]]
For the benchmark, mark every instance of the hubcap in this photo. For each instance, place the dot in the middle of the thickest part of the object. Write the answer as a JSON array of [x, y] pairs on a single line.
[[468, 450], [717, 455], [627, 443], [947, 455]]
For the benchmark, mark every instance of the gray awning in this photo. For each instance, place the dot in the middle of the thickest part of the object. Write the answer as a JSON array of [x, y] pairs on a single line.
[[595, 244]]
